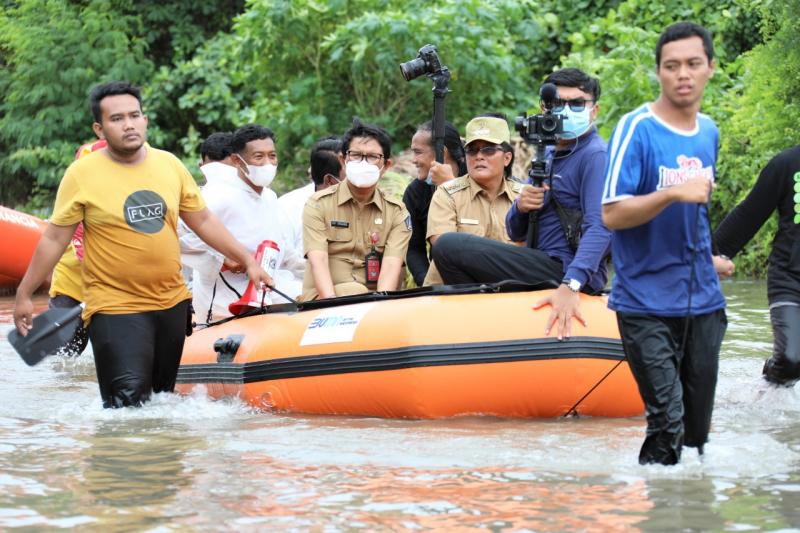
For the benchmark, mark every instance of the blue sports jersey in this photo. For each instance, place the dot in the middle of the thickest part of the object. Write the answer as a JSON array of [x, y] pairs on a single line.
[[653, 262]]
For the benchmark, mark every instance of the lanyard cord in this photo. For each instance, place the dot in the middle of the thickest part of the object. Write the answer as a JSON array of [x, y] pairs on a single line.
[[691, 279]]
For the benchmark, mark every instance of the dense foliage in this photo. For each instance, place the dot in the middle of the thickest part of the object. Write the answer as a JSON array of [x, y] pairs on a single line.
[[306, 67]]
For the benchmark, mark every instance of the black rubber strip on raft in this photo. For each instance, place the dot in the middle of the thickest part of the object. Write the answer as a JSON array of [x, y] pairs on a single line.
[[405, 357]]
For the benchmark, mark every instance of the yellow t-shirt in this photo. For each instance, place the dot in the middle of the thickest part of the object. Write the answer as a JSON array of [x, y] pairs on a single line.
[[130, 215], [67, 276]]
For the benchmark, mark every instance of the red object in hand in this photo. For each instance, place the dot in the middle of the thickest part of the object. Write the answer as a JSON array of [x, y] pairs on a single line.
[[267, 256]]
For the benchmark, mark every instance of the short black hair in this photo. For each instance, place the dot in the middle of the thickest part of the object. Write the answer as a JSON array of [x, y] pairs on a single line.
[[685, 30], [573, 77], [324, 159], [370, 131], [247, 133], [217, 146], [111, 88], [509, 168], [452, 141]]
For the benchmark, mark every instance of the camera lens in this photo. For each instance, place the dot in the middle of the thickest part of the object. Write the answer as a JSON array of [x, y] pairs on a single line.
[[413, 69], [549, 124]]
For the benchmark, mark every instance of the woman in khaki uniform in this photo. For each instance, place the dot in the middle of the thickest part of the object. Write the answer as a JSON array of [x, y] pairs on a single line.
[[477, 203]]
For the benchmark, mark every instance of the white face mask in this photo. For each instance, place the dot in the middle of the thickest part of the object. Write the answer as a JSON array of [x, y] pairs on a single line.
[[215, 171], [261, 176], [362, 174]]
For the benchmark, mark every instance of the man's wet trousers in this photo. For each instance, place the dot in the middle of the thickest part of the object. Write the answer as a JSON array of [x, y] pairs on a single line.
[[136, 354], [677, 385]]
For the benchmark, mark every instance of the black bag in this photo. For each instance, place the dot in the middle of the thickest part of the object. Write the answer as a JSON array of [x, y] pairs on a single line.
[[571, 222]]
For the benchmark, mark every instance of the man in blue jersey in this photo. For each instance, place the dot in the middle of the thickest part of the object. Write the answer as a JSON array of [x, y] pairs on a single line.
[[666, 292], [572, 243]]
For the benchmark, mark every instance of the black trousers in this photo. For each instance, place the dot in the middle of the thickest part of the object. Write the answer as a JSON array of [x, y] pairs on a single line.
[[465, 258], [77, 344], [136, 354], [783, 368], [677, 386]]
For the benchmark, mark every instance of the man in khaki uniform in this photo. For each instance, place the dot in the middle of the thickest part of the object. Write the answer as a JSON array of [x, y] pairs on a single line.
[[341, 223], [477, 203]]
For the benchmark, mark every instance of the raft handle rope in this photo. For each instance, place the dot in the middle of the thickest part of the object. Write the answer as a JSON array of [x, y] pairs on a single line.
[[572, 410]]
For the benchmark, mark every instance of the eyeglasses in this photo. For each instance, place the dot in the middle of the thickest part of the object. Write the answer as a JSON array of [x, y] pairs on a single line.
[[576, 104], [487, 151], [372, 159]]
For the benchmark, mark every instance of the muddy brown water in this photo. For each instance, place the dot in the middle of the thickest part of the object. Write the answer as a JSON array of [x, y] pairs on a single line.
[[187, 463]]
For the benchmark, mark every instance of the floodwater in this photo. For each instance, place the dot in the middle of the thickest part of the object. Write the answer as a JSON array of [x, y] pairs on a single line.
[[187, 463]]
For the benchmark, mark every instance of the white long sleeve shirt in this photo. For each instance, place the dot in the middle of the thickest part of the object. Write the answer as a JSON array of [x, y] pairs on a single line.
[[252, 218], [293, 203]]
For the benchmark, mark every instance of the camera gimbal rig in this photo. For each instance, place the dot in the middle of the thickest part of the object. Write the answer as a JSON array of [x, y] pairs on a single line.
[[540, 131]]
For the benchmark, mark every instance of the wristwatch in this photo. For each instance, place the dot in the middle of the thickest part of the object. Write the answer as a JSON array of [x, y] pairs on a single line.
[[573, 284]]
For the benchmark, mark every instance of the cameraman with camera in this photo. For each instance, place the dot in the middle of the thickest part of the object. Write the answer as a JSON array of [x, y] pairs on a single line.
[[570, 243]]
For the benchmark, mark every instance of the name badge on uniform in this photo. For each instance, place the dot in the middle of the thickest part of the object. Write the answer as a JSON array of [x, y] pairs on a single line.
[[378, 220], [469, 221], [340, 224]]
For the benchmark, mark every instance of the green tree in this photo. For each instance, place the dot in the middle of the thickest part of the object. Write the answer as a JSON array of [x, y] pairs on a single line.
[[306, 67], [763, 110], [53, 52]]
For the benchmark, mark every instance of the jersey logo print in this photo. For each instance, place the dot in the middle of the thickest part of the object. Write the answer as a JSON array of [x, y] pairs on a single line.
[[796, 198], [145, 211], [688, 168]]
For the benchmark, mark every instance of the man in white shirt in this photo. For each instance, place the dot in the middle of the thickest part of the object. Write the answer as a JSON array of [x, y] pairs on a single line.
[[325, 170], [239, 195]]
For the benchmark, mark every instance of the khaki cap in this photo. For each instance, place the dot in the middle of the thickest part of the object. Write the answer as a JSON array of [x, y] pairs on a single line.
[[490, 129]]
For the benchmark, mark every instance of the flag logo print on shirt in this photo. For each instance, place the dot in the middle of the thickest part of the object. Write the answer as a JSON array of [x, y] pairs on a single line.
[[145, 211], [688, 168]]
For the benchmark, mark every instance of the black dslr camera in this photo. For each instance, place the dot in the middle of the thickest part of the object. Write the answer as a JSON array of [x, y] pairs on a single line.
[[543, 129], [426, 62]]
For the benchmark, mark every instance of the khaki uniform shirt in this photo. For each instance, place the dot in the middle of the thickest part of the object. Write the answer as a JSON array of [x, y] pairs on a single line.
[[461, 205], [333, 222]]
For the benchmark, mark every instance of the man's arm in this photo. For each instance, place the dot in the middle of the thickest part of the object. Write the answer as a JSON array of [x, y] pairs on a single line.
[[391, 272], [321, 273], [518, 217], [209, 228], [394, 251], [741, 224], [54, 241], [593, 247], [315, 245], [442, 215], [637, 210]]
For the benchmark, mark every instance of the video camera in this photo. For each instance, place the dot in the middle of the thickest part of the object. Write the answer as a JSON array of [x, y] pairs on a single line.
[[543, 129], [426, 62]]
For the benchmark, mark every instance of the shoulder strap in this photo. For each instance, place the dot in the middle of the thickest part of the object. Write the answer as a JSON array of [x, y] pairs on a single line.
[[570, 222]]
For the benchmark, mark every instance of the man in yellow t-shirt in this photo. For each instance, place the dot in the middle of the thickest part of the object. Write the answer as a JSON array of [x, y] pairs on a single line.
[[129, 197]]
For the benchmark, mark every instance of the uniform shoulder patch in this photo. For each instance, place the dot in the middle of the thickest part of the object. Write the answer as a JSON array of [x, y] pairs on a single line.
[[516, 186], [393, 201], [458, 184], [324, 192]]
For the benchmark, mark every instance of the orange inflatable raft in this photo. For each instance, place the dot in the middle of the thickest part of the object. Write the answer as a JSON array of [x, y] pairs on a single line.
[[416, 354], [19, 235]]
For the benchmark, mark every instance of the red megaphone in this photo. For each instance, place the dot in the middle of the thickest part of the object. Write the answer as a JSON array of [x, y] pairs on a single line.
[[267, 256]]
